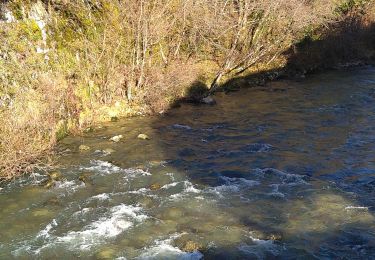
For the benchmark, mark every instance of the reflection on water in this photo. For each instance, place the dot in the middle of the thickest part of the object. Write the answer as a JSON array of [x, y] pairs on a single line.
[[286, 171]]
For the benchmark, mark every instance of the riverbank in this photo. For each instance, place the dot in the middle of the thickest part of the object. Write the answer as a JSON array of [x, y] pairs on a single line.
[[69, 66]]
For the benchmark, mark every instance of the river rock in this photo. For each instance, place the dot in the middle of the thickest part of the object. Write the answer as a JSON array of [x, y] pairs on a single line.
[[191, 246], [274, 237], [155, 186], [143, 137], [56, 175], [108, 151], [208, 101], [116, 138], [85, 178], [53, 177], [48, 183], [83, 148]]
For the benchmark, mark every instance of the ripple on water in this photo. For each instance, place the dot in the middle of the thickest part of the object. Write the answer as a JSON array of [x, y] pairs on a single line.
[[118, 219], [163, 249]]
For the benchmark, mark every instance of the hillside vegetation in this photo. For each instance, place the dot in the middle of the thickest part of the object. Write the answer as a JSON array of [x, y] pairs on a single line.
[[65, 65]]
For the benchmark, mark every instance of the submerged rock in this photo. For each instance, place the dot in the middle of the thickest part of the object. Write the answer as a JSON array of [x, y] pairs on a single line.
[[208, 101], [83, 148], [116, 138], [143, 137], [173, 213], [107, 253]]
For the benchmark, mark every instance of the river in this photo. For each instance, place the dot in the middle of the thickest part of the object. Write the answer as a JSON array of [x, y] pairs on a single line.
[[284, 171]]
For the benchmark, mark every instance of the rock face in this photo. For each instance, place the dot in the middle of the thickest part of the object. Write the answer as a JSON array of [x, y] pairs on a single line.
[[208, 101], [116, 138], [143, 137]]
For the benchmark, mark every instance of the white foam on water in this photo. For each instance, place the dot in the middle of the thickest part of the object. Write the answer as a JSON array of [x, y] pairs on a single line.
[[356, 208], [171, 175], [233, 185], [162, 249], [185, 127], [240, 181], [81, 212], [140, 191], [69, 185], [260, 248], [170, 185], [188, 189], [288, 179], [119, 219], [101, 197], [102, 167], [45, 233], [275, 191], [259, 147], [136, 172]]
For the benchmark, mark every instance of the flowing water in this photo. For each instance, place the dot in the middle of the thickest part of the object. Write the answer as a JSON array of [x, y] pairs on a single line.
[[283, 171]]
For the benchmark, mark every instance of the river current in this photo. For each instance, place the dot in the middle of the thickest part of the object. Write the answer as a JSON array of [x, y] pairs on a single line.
[[285, 171]]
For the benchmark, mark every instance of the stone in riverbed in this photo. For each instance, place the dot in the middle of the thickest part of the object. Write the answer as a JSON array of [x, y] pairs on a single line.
[[106, 253], [108, 151], [155, 186], [83, 148], [56, 175], [208, 101], [53, 177], [85, 178], [143, 137], [116, 138], [191, 246]]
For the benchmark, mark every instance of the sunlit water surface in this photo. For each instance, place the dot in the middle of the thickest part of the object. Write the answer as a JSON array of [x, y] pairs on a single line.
[[286, 171]]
